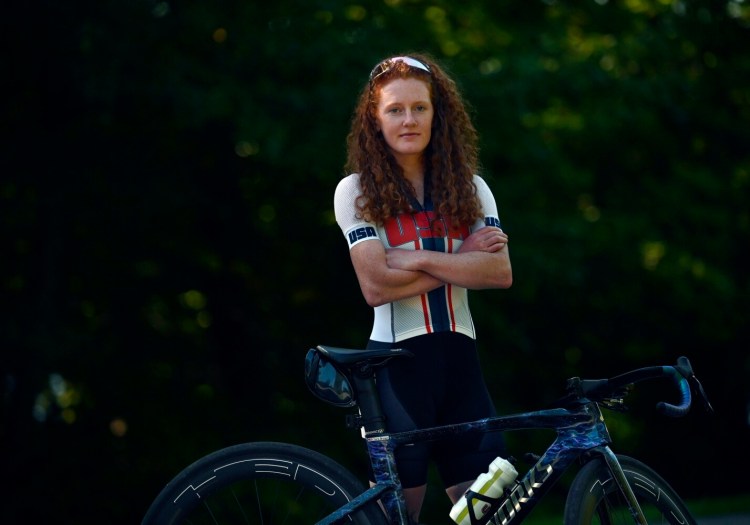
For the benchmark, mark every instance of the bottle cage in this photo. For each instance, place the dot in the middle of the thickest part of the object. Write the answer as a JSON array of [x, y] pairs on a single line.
[[327, 382]]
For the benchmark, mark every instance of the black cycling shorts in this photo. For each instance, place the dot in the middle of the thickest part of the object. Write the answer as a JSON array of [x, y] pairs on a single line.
[[441, 385]]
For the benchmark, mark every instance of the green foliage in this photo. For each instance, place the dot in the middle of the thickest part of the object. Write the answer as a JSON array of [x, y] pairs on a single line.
[[170, 248]]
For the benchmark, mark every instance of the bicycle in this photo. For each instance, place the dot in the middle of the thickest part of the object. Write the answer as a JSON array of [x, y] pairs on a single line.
[[273, 482]]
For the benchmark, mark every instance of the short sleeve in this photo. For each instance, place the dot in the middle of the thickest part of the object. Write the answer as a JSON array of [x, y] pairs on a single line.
[[356, 230], [489, 206]]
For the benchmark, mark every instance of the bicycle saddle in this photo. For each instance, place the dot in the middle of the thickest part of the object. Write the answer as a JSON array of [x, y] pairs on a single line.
[[352, 358]]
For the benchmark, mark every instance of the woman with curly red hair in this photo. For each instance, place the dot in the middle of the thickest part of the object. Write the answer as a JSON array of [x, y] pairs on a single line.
[[423, 228]]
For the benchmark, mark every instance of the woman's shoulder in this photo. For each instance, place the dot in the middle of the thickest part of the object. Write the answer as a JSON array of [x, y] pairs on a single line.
[[484, 193], [478, 180], [348, 189], [348, 182], [481, 184]]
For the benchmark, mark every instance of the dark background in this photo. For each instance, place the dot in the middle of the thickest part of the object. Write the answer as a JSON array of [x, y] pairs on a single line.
[[169, 249]]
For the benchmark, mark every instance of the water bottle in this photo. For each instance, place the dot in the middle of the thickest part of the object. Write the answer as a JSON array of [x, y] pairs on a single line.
[[490, 484]]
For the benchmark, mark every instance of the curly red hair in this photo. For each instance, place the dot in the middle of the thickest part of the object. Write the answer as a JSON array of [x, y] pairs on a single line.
[[451, 158]]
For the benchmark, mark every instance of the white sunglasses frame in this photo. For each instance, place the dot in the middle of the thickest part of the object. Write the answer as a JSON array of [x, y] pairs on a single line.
[[387, 64]]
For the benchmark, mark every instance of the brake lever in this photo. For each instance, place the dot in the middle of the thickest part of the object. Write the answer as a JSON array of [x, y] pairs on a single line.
[[684, 367], [698, 387]]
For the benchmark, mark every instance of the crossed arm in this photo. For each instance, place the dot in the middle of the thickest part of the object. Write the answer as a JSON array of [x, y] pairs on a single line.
[[385, 276]]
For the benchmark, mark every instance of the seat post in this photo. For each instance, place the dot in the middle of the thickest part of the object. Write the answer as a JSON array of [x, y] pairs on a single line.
[[373, 420]]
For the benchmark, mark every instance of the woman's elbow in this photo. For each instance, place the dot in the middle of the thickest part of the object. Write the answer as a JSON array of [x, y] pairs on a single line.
[[506, 282], [501, 274], [373, 296]]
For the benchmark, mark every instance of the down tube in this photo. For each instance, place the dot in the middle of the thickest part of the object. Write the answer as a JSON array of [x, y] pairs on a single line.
[[532, 487], [571, 442]]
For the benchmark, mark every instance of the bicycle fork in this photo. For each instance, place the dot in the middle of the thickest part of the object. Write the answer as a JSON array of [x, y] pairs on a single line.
[[619, 476]]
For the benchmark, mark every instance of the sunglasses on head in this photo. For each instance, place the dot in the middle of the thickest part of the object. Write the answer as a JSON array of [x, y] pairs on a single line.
[[387, 64]]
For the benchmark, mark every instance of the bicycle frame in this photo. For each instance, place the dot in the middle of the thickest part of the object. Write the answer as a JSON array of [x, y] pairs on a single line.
[[579, 430]]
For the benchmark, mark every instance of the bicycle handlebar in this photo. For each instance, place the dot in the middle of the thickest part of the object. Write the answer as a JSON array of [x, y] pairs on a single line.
[[681, 374], [685, 395]]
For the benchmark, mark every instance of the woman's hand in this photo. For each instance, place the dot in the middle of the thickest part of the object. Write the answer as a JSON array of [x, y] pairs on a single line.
[[489, 239]]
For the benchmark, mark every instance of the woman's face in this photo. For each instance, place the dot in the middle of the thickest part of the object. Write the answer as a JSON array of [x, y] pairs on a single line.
[[404, 116]]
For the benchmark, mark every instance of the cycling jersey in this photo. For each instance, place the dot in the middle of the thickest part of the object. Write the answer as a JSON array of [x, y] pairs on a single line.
[[441, 310]]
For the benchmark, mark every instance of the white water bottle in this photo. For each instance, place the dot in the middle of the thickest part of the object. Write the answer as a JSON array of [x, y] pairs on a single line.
[[491, 484]]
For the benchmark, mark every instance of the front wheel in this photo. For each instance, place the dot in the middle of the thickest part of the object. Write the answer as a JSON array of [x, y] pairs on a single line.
[[595, 499], [259, 483]]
